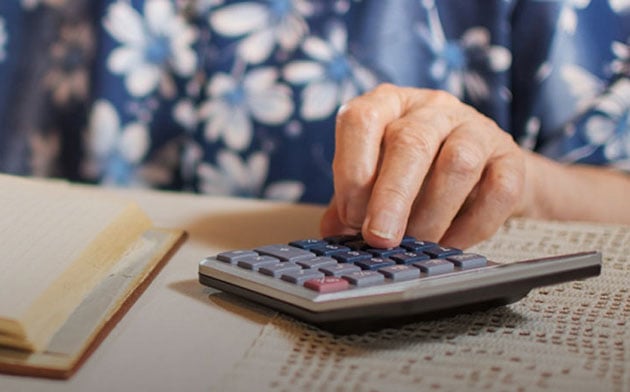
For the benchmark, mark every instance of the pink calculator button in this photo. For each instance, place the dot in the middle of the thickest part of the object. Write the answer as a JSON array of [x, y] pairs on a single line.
[[327, 284]]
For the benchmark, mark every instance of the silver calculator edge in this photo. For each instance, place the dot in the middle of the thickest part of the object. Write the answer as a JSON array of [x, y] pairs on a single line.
[[497, 284]]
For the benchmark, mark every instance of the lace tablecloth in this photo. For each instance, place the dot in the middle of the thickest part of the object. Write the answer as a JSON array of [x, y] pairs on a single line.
[[572, 336]]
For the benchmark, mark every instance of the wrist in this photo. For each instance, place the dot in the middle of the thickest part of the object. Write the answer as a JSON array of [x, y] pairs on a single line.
[[534, 203]]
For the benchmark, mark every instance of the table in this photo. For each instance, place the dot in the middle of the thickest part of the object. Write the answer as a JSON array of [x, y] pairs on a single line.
[[181, 336]]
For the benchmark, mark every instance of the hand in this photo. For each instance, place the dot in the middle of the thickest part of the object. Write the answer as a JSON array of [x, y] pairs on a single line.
[[423, 163]]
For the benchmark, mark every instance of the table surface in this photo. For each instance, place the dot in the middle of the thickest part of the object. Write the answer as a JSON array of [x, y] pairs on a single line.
[[180, 335]]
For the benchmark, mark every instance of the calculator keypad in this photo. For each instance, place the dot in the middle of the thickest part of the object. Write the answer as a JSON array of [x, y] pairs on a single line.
[[347, 262]]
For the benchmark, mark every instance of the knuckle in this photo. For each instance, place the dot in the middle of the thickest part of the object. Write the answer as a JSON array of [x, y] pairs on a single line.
[[357, 113], [444, 98], [385, 88], [507, 187], [405, 136], [462, 159]]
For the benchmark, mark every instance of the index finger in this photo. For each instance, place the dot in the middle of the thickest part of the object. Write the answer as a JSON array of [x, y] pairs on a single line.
[[410, 145], [358, 135]]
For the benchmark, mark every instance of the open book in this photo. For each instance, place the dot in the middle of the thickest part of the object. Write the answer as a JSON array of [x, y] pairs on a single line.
[[73, 259]]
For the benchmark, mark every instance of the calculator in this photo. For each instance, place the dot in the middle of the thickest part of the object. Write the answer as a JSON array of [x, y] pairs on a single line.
[[343, 284]]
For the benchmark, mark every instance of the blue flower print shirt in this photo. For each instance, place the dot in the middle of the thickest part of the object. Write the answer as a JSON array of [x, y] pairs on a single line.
[[239, 97]]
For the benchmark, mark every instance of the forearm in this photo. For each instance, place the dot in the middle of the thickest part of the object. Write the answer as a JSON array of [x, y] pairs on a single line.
[[575, 192]]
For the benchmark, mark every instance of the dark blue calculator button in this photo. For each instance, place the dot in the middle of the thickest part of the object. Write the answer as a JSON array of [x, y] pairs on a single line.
[[385, 252], [307, 243], [352, 256], [375, 263], [329, 249], [342, 239], [407, 239], [285, 252], [417, 245], [440, 252], [357, 245]]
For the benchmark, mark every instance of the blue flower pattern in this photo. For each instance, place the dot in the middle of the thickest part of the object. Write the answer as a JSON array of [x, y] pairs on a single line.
[[239, 97]]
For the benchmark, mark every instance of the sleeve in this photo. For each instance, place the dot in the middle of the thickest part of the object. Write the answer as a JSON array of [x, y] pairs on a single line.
[[579, 86]]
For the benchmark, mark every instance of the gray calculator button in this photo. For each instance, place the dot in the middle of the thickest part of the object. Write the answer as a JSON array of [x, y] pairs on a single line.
[[435, 266], [318, 262], [234, 256], [340, 269], [285, 252], [255, 262], [364, 278], [400, 272], [468, 260], [276, 270], [301, 276]]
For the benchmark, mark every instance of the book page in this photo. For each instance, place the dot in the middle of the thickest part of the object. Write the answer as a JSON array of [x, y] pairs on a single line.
[[45, 228]]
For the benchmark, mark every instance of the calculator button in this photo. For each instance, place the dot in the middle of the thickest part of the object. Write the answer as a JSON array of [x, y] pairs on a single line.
[[400, 272], [317, 262], [234, 256], [440, 252], [276, 270], [307, 243], [409, 257], [468, 260], [364, 278], [342, 239], [327, 284], [329, 250], [285, 252], [340, 269], [435, 266], [301, 276], [357, 245], [416, 245], [385, 252], [352, 256], [407, 239], [255, 262], [375, 263]]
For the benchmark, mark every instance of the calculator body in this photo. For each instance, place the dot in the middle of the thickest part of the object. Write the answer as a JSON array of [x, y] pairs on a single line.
[[390, 302]]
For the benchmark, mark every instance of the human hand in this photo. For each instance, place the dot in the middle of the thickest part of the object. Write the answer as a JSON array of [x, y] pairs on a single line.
[[423, 163]]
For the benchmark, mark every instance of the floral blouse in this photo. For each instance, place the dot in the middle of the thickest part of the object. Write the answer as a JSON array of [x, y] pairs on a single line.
[[239, 97]]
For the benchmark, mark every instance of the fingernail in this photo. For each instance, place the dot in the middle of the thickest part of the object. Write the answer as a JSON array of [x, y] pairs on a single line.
[[383, 225]]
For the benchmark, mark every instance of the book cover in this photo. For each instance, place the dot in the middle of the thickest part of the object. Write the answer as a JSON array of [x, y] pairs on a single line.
[[74, 259]]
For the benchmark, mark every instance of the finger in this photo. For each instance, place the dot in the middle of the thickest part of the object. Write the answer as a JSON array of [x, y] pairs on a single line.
[[457, 168], [330, 223], [500, 192], [358, 135], [409, 147]]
